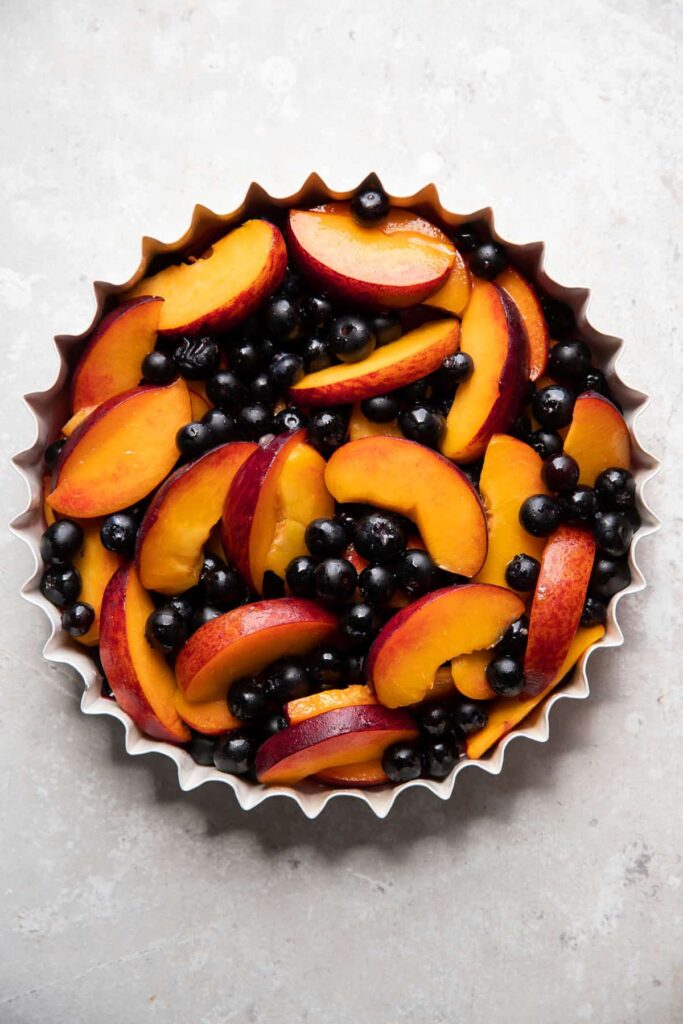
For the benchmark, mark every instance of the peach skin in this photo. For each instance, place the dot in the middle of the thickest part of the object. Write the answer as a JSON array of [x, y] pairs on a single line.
[[327, 700], [529, 308], [598, 437]]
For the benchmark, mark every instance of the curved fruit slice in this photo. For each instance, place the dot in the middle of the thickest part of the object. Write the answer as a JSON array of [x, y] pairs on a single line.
[[210, 717], [598, 437], [365, 773], [75, 421], [469, 675], [345, 736], [242, 642], [140, 677], [170, 544], [121, 452], [96, 566], [486, 404], [199, 403], [48, 511], [526, 301], [506, 714], [224, 285], [560, 593], [271, 501], [511, 473], [408, 651], [406, 477], [327, 700], [416, 354], [360, 426], [454, 294], [442, 686], [111, 362], [397, 262]]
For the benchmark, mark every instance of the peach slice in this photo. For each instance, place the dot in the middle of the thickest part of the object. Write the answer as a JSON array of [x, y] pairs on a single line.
[[486, 404], [454, 294], [96, 566], [242, 642], [273, 498], [598, 437], [76, 420], [509, 712], [442, 686], [199, 403], [361, 426], [365, 773], [511, 473], [121, 452], [560, 593], [210, 717], [526, 301], [222, 287], [416, 354], [169, 551], [140, 677], [407, 652], [328, 700], [397, 474], [48, 511], [469, 675], [397, 262], [345, 736], [112, 360]]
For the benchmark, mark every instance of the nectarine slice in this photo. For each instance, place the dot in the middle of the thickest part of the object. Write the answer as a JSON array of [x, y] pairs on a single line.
[[442, 686], [397, 474], [526, 301], [121, 452], [511, 473], [244, 641], [416, 354], [210, 717], [507, 713], [396, 262], [598, 437], [140, 677], [222, 287], [469, 675], [96, 565], [365, 773], [559, 597], [408, 651], [361, 426], [112, 360], [327, 700], [177, 524], [486, 404], [48, 511], [341, 737], [75, 421], [454, 294]]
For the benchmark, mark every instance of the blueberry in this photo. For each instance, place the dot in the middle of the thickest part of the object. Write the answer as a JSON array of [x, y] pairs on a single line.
[[379, 537], [386, 327], [470, 717], [613, 533], [377, 584], [247, 699], [235, 752], [225, 389], [416, 392], [610, 575], [282, 319], [434, 719], [60, 542], [415, 572], [351, 338], [253, 422], [335, 580], [505, 676], [78, 618], [197, 358], [224, 588], [221, 424], [194, 439], [200, 748], [473, 472], [291, 285], [183, 604], [521, 429], [289, 419], [300, 576], [422, 424], [558, 316], [358, 625], [553, 406], [488, 260], [594, 612], [522, 573], [594, 380], [466, 237], [327, 666], [569, 359], [286, 369], [546, 442], [272, 586], [514, 639], [440, 758], [118, 533], [325, 538], [327, 430], [246, 359], [540, 515], [166, 629], [53, 451], [159, 368], [202, 615], [370, 204], [349, 514], [273, 723], [616, 488], [560, 473], [381, 409], [209, 566], [316, 354], [355, 669], [317, 312], [581, 506], [287, 680], [262, 389], [455, 369], [402, 762]]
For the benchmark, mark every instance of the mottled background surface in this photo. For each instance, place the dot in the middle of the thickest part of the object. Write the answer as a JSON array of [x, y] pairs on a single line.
[[551, 894]]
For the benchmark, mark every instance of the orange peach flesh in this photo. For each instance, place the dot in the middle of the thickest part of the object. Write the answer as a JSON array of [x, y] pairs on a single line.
[[454, 294], [598, 437], [76, 420], [48, 511], [442, 685], [121, 453], [407, 653], [397, 474], [511, 473], [506, 713], [360, 426], [211, 717], [223, 286], [365, 773], [469, 675], [524, 297], [317, 703], [96, 566]]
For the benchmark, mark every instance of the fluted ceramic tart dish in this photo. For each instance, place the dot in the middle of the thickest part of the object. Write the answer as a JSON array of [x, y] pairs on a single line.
[[335, 496]]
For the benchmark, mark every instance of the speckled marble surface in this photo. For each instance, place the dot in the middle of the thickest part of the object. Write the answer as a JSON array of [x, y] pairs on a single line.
[[553, 893]]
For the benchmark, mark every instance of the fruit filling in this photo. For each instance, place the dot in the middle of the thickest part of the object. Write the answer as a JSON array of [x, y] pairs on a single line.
[[342, 499]]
